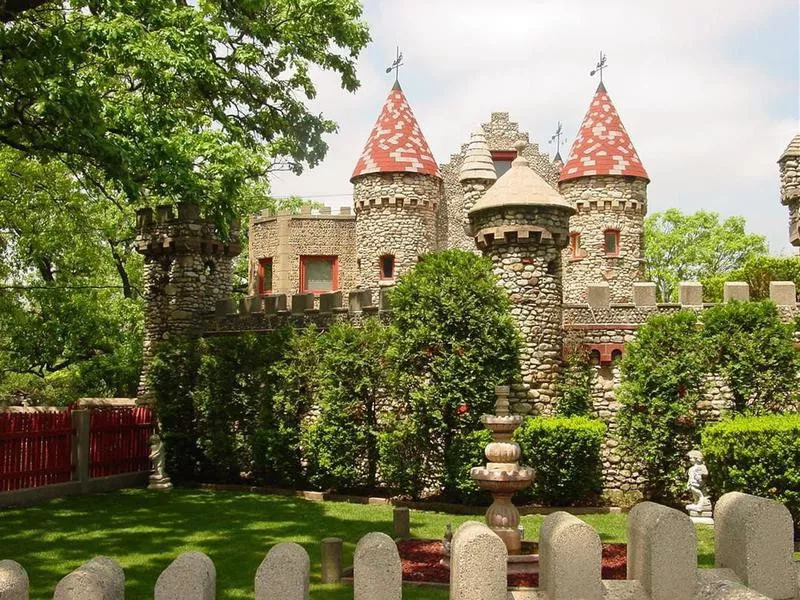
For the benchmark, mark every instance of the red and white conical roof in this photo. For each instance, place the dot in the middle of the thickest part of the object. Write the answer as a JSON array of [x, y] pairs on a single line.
[[602, 147], [396, 144]]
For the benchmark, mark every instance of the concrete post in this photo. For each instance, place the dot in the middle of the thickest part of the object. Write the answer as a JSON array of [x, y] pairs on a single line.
[[253, 305], [736, 290], [13, 581], [754, 537], [377, 574], [401, 520], [331, 560], [598, 295], [329, 301], [80, 448], [690, 293], [783, 293], [569, 558], [662, 551], [283, 574], [99, 579], [301, 303], [644, 293], [191, 576], [478, 564]]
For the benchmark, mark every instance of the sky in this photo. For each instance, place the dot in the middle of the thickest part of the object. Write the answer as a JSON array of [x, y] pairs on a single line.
[[708, 90]]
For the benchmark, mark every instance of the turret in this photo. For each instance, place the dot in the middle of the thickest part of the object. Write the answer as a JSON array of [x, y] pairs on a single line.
[[522, 225], [789, 164], [606, 183], [187, 268], [477, 173], [396, 189]]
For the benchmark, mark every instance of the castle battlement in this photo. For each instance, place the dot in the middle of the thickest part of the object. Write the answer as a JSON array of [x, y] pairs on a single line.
[[398, 201], [306, 212], [181, 229]]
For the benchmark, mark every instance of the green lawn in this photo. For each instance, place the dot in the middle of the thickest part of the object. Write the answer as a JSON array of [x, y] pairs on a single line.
[[145, 530]]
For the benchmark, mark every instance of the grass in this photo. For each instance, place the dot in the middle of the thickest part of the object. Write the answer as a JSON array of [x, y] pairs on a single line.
[[144, 531]]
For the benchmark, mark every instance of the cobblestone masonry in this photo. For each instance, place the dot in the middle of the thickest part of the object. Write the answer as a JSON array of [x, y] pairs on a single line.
[[605, 203], [285, 238], [395, 215]]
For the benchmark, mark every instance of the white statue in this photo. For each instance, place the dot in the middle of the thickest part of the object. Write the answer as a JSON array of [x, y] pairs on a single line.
[[698, 473], [158, 478]]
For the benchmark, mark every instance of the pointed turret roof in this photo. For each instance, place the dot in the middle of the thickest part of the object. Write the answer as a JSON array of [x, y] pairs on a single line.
[[396, 144], [602, 147], [793, 149], [478, 160]]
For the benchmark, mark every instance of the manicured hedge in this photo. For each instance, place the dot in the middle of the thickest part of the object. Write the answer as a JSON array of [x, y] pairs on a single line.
[[756, 455], [565, 452]]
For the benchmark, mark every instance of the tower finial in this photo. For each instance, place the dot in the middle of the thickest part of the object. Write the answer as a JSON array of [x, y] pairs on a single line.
[[601, 64], [398, 62], [556, 137]]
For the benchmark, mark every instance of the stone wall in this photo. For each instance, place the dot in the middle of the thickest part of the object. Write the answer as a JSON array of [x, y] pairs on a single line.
[[395, 215], [501, 135], [605, 203], [286, 237]]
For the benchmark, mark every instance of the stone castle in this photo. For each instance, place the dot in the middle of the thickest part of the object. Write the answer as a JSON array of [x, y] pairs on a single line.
[[565, 240]]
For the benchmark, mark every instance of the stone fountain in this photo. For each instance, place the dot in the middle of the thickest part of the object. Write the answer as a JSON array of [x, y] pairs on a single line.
[[503, 477]]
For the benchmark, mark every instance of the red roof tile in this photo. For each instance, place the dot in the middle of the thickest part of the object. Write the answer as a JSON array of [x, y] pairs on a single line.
[[602, 146], [396, 144]]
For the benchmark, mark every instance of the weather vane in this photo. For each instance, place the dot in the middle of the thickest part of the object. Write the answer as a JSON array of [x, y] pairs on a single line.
[[557, 137], [600, 66], [398, 62]]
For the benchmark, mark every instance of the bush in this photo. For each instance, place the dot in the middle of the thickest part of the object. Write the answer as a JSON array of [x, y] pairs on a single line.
[[575, 387], [755, 353], [465, 452], [756, 455], [663, 372], [565, 453], [456, 340]]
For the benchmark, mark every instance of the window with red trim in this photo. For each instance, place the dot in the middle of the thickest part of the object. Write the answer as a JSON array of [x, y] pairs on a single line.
[[387, 267], [611, 242], [319, 274], [502, 160], [575, 245], [265, 276]]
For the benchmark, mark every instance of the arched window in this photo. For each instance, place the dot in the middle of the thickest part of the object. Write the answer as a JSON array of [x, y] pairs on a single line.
[[387, 267]]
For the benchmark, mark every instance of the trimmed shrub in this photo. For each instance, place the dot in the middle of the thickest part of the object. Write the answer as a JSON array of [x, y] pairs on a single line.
[[565, 452], [465, 452], [756, 455]]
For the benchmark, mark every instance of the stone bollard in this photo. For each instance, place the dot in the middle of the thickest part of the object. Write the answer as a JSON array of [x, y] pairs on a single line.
[[283, 574], [754, 538], [569, 558], [783, 293], [331, 560], [330, 301], [377, 574], [736, 290], [191, 576], [478, 564], [13, 581], [598, 295], [401, 520], [644, 293], [98, 579], [662, 551], [301, 303], [690, 293]]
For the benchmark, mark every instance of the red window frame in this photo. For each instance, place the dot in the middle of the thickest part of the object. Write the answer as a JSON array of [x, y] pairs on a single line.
[[334, 273], [263, 262], [380, 267], [616, 244], [575, 244], [503, 156]]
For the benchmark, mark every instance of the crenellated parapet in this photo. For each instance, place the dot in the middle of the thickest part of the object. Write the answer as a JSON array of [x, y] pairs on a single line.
[[172, 230]]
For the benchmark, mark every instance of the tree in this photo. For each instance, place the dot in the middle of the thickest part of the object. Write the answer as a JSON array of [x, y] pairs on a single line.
[[456, 340], [167, 100], [694, 247], [757, 272]]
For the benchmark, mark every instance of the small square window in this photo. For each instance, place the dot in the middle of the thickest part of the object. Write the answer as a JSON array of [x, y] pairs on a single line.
[[387, 267], [265, 276], [611, 238], [319, 274], [502, 160]]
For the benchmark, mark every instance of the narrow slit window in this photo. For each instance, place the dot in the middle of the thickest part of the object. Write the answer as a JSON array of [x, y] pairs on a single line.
[[265, 276], [575, 244], [611, 237], [387, 267]]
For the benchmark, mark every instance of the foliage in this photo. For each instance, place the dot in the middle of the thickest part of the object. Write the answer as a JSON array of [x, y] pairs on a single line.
[[404, 468], [756, 455], [755, 353], [575, 386], [466, 451], [663, 373], [340, 443], [565, 454], [456, 340], [699, 246], [162, 100], [757, 272]]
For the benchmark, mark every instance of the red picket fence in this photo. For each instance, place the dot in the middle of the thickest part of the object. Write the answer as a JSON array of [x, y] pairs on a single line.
[[35, 449], [119, 440]]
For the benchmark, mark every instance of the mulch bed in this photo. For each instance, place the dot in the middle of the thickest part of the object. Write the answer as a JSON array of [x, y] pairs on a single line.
[[421, 564]]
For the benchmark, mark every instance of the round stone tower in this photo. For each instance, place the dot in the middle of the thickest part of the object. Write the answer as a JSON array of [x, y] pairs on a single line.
[[477, 173], [606, 183], [522, 225], [396, 189], [789, 164]]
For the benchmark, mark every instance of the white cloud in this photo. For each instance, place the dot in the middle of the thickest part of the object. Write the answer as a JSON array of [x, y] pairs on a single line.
[[685, 77]]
